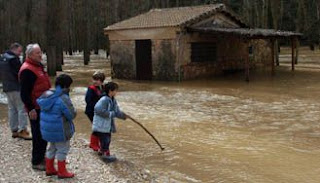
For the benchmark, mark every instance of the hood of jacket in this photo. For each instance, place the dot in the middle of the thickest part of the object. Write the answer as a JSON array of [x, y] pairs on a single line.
[[48, 98]]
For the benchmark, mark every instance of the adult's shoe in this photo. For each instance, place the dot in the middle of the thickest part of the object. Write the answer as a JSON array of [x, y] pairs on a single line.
[[24, 134], [40, 167], [15, 134]]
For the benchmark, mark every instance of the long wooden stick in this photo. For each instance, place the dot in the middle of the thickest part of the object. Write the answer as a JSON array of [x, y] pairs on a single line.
[[135, 121]]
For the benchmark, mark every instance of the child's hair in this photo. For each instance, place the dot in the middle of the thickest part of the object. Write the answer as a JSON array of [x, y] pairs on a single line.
[[64, 81], [98, 76], [110, 86]]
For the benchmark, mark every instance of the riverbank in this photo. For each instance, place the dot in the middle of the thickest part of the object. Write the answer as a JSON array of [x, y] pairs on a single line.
[[15, 156]]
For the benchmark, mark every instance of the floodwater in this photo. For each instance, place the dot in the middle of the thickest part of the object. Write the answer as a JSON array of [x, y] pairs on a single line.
[[217, 130]]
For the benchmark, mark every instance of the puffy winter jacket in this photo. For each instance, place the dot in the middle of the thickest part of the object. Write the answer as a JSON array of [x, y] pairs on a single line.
[[104, 111], [56, 115]]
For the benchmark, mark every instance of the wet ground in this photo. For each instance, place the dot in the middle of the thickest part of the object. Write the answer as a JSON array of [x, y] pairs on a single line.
[[217, 130]]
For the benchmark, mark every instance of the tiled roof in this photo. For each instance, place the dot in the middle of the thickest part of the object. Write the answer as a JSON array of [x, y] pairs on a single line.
[[171, 17]]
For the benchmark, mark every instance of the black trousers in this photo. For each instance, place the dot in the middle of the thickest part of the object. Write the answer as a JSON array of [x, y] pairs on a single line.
[[90, 116], [39, 145], [105, 140]]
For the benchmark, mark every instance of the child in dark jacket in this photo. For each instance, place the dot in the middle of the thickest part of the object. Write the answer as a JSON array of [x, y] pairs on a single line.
[[57, 128], [93, 94], [105, 111]]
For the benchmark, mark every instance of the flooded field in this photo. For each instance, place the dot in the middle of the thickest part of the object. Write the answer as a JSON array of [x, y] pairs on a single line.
[[217, 130]]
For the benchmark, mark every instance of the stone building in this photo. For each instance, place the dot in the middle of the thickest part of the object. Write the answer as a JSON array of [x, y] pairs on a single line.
[[189, 42]]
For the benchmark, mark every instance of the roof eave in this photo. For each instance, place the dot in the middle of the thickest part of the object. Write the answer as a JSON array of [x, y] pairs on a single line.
[[249, 35], [135, 28]]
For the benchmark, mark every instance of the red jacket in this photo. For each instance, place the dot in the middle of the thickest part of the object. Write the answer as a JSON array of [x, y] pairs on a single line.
[[42, 82]]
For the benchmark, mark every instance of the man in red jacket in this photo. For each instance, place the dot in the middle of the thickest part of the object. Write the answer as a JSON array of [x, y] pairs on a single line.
[[34, 81]]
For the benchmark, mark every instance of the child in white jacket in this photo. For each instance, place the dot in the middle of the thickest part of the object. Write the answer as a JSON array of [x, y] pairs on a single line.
[[103, 125]]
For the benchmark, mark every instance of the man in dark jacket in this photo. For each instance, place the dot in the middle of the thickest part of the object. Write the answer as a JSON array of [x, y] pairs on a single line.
[[34, 81], [17, 116]]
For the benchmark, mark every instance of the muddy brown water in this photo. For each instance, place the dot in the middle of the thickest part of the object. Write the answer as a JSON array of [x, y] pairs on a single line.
[[217, 130]]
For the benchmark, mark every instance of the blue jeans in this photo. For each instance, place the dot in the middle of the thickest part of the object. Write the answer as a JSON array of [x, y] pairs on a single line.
[[105, 140], [18, 118], [58, 150]]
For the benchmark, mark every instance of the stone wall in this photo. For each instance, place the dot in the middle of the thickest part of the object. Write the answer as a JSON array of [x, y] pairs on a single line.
[[123, 60], [231, 54], [262, 53], [171, 58], [164, 60]]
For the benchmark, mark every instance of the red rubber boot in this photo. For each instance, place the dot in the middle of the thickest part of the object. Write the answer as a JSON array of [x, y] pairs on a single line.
[[94, 143], [50, 170], [62, 171]]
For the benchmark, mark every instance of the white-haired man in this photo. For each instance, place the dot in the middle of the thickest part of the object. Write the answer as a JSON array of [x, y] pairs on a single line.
[[34, 81]]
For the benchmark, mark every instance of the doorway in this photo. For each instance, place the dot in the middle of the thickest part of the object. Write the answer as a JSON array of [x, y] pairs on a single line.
[[144, 59]]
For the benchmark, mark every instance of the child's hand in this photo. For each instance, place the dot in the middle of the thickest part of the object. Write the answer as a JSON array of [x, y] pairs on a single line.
[[125, 116]]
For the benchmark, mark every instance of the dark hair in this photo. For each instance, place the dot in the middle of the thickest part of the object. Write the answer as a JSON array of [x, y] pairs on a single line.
[[110, 86], [14, 46], [99, 76], [64, 81]]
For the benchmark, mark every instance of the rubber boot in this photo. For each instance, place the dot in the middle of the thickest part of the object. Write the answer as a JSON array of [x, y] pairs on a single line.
[[50, 170], [94, 143], [62, 171]]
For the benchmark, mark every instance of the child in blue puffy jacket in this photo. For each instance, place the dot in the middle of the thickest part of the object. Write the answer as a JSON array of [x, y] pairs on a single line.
[[57, 128], [103, 125]]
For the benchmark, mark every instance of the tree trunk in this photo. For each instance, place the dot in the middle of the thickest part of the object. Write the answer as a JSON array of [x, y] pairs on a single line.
[[86, 56], [275, 11], [70, 27], [27, 26], [58, 33], [51, 29], [70, 50], [51, 60], [86, 49], [96, 50]]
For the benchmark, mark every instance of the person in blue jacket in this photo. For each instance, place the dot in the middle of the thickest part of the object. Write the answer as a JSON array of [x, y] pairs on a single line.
[[103, 125], [57, 128]]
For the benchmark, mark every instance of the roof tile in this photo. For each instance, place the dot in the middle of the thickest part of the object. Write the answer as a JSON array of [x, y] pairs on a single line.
[[167, 17]]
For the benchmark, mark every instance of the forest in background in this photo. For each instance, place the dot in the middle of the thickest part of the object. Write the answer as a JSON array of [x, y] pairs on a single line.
[[71, 25]]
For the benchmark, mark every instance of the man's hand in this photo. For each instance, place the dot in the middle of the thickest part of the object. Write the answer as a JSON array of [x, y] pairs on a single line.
[[33, 114]]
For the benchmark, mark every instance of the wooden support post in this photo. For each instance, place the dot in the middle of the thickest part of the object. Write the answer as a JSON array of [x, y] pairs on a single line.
[[297, 50], [247, 65], [292, 53], [277, 51], [273, 56]]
